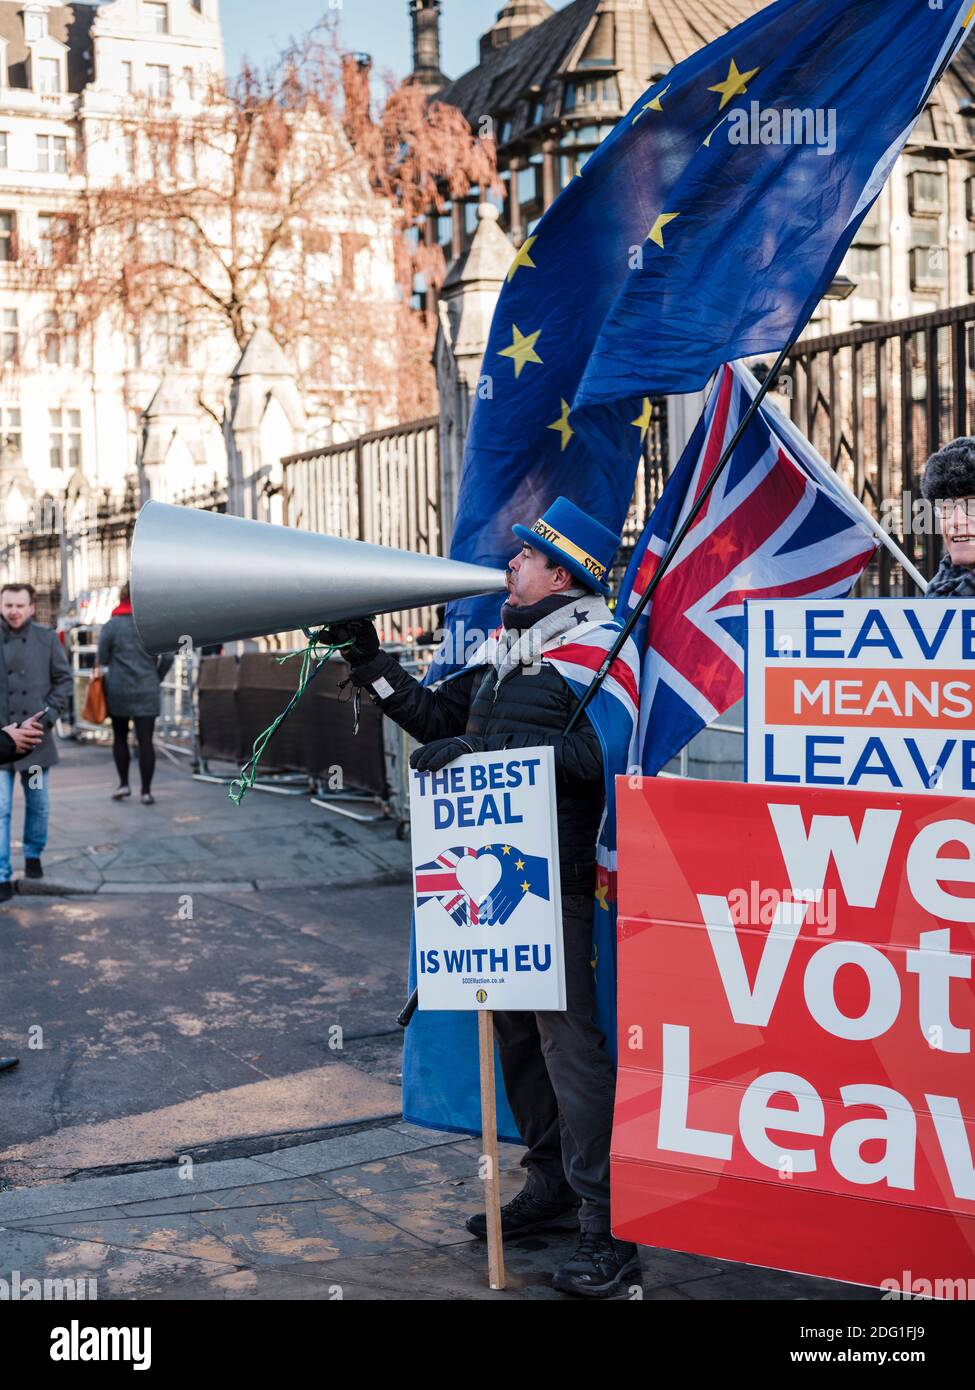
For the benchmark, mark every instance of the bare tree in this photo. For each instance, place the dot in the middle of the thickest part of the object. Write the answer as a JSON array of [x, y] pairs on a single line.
[[276, 200]]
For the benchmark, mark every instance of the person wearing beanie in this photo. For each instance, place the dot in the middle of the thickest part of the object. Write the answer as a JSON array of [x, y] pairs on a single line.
[[559, 1079], [949, 485]]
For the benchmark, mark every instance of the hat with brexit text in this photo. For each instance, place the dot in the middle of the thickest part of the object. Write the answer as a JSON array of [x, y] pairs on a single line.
[[567, 535]]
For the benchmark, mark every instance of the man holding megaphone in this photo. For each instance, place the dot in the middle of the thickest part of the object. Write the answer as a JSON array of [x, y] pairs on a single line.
[[515, 693]]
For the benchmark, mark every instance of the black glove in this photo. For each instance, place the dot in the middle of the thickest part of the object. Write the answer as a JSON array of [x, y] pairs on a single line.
[[433, 756], [360, 634]]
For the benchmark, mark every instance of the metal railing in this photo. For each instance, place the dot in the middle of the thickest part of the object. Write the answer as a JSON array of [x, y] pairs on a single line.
[[383, 488], [876, 402]]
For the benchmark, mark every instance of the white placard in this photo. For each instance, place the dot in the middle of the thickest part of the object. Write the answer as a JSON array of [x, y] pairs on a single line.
[[486, 883], [872, 694]]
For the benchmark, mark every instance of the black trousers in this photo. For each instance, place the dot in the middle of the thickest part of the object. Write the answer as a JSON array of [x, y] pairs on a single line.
[[144, 726], [561, 1083]]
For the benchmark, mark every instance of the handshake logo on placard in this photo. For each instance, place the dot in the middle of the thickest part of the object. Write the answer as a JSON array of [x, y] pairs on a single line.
[[482, 887]]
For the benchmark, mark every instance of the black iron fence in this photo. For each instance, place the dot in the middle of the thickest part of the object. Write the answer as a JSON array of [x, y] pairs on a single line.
[[385, 488], [877, 401]]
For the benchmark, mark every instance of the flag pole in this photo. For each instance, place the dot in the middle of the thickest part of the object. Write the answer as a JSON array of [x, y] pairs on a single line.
[[678, 539]]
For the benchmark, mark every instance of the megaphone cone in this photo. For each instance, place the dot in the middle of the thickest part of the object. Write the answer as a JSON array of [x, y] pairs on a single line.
[[216, 578]]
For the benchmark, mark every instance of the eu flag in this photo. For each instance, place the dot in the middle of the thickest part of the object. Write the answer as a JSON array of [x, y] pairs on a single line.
[[705, 228]]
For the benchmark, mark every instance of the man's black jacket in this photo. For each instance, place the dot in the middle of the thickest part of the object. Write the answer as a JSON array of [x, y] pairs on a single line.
[[530, 707]]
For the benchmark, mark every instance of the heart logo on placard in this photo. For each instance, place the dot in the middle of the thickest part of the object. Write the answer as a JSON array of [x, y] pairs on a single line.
[[479, 877]]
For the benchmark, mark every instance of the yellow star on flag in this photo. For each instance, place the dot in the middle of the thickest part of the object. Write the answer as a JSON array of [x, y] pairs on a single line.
[[656, 232], [735, 85], [563, 426], [525, 887], [522, 258], [519, 863], [642, 421], [707, 142], [654, 104], [522, 348], [601, 897], [505, 849]]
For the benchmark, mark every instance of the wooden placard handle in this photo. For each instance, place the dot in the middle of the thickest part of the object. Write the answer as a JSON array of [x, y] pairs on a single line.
[[489, 1149]]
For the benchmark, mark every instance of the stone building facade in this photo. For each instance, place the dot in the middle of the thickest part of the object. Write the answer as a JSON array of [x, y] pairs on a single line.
[[167, 406], [552, 83]]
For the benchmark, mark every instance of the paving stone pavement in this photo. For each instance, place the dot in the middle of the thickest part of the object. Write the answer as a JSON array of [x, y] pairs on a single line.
[[172, 1039], [376, 1215], [195, 835]]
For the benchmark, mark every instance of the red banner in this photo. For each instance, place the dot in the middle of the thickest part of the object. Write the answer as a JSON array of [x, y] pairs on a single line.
[[796, 1022]]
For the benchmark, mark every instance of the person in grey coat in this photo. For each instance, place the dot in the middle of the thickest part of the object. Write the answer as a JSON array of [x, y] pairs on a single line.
[[15, 741], [35, 679], [132, 681]]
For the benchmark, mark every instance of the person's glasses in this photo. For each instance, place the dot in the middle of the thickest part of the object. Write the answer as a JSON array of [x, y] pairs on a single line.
[[943, 510]]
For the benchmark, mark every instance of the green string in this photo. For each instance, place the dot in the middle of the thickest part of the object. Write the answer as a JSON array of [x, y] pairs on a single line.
[[242, 784]]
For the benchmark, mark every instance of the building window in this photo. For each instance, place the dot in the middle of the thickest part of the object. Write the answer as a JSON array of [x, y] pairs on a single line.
[[49, 75], [52, 154], [3, 149], [158, 17], [164, 343], [129, 152], [51, 340], [528, 187], [197, 5], [57, 238], [69, 340], [45, 239], [128, 81], [35, 25], [189, 83], [66, 439], [929, 268], [8, 236], [158, 75], [926, 191], [9, 336], [10, 441]]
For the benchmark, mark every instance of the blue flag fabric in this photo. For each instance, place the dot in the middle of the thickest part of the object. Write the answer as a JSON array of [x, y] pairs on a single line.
[[705, 228]]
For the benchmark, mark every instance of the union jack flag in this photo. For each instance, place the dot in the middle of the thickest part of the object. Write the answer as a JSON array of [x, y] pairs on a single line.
[[778, 524], [438, 879]]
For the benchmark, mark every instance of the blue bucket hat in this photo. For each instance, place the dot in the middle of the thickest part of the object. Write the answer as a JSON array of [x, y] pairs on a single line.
[[578, 542]]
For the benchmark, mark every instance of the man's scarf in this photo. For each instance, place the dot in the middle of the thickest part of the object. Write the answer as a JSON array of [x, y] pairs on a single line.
[[951, 579], [440, 1057]]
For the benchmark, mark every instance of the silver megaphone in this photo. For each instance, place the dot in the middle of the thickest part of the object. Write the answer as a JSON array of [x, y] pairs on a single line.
[[216, 578]]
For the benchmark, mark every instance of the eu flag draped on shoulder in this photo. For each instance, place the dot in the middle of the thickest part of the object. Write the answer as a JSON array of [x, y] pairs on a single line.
[[705, 228], [779, 524]]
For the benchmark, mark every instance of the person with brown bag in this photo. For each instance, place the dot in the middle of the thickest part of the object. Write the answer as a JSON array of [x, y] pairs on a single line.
[[132, 683]]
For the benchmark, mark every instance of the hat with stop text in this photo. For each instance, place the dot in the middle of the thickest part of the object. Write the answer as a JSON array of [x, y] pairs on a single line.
[[567, 535]]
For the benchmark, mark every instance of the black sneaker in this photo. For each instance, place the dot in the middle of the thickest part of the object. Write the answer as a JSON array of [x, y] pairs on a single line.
[[6, 891], [526, 1213], [32, 868], [599, 1266]]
